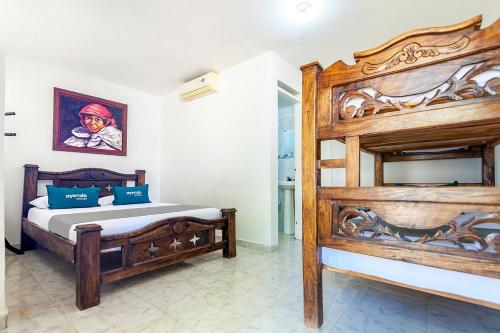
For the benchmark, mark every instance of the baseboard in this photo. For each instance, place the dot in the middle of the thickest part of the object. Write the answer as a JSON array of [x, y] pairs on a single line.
[[255, 246], [3, 320]]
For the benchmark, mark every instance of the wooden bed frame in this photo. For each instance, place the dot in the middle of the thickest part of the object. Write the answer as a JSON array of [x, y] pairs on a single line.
[[426, 89], [142, 250]]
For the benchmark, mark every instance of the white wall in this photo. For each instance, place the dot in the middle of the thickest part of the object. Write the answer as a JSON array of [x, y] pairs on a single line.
[[3, 306], [29, 93], [445, 171], [221, 150]]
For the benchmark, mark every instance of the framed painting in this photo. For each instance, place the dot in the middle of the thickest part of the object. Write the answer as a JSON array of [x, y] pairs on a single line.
[[88, 124]]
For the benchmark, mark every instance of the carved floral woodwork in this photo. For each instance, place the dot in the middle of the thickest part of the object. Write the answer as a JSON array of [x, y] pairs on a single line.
[[363, 223], [412, 52], [470, 81]]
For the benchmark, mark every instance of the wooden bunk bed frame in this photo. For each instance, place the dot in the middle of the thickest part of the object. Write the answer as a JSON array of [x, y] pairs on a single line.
[[142, 250], [426, 89]]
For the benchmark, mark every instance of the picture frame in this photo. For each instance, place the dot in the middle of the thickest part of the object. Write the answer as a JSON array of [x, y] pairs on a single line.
[[88, 124]]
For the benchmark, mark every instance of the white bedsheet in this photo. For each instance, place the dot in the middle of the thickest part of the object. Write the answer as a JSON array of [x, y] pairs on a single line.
[[458, 283], [41, 217]]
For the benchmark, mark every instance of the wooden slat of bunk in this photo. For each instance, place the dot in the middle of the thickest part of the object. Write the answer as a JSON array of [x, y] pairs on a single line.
[[379, 170], [479, 134], [471, 152], [352, 161], [338, 163], [484, 111], [431, 144], [421, 254], [488, 169], [453, 195], [481, 131]]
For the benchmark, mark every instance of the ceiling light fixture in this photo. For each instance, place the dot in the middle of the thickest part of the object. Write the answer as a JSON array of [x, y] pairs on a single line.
[[303, 7]]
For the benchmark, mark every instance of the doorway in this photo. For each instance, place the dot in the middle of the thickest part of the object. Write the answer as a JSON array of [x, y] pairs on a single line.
[[289, 162]]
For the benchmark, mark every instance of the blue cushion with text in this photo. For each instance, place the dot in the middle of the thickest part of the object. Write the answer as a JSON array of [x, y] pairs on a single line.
[[131, 195], [64, 197]]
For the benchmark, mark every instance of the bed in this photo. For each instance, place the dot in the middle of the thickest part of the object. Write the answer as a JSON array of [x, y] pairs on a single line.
[[110, 243], [428, 94]]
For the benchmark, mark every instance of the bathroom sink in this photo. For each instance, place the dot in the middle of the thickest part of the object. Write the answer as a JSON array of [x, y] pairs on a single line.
[[288, 188], [286, 184]]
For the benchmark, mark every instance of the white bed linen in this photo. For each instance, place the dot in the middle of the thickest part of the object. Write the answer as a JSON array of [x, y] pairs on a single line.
[[468, 285], [41, 217]]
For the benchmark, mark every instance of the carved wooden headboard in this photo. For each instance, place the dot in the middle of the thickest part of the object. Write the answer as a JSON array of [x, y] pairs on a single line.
[[456, 66], [88, 177]]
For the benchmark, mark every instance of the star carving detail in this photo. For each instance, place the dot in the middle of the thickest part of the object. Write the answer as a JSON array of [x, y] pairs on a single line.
[[174, 244], [153, 249], [194, 239]]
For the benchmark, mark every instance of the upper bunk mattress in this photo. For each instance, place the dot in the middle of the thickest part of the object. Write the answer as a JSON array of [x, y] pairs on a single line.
[[114, 219]]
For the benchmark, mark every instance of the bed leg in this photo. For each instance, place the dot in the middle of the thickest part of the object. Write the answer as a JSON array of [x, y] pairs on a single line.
[[88, 265], [27, 243], [229, 233], [313, 292]]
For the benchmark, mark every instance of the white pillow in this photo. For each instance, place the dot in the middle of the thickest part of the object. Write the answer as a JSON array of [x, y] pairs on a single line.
[[107, 200], [41, 202]]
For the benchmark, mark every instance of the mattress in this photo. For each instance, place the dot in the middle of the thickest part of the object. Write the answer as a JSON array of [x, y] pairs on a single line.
[[463, 284], [44, 217]]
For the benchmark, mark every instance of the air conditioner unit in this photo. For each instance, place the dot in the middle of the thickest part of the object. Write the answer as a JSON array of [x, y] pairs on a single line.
[[198, 87]]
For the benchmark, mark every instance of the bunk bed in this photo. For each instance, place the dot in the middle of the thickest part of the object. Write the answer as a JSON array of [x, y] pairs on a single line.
[[424, 95]]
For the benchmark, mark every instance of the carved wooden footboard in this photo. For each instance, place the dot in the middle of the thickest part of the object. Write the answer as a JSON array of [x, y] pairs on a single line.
[[105, 259]]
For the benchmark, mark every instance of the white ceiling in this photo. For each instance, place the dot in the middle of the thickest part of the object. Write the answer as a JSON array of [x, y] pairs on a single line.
[[154, 45]]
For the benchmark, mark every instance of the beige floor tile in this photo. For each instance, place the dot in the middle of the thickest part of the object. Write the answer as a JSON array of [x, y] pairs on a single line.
[[258, 291], [167, 324], [38, 319]]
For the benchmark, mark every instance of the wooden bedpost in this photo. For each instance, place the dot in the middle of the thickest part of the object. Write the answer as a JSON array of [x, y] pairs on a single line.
[[379, 170], [29, 193], [141, 177], [311, 252], [229, 233], [88, 265], [488, 165]]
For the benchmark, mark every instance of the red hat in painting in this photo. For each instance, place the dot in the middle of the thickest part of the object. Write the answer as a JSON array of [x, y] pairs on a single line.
[[97, 110]]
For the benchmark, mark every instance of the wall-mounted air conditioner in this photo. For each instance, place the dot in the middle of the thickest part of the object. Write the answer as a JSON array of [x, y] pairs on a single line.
[[198, 87]]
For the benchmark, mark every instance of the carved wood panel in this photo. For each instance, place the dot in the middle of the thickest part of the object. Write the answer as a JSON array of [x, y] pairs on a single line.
[[169, 240], [468, 82], [413, 52], [105, 185], [89, 177], [474, 232]]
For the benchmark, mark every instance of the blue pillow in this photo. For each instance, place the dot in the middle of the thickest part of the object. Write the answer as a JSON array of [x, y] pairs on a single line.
[[130, 195], [64, 197]]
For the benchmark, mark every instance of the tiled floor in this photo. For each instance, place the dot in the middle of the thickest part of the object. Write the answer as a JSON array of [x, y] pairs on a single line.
[[255, 292]]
